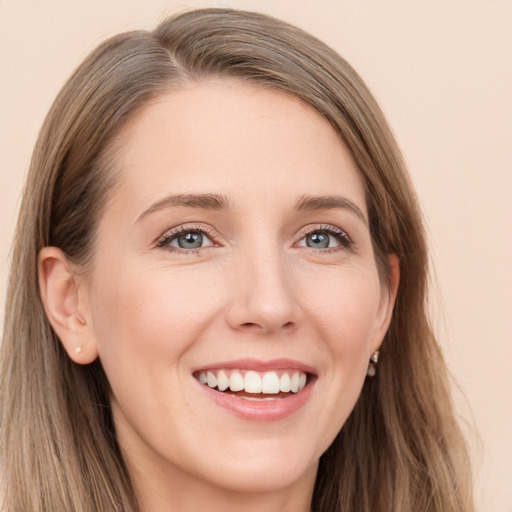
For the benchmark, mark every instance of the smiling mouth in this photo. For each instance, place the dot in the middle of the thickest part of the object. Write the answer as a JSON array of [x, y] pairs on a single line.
[[255, 386]]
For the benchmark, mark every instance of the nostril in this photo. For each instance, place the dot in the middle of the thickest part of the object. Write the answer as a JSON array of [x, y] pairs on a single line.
[[251, 325], [255, 326]]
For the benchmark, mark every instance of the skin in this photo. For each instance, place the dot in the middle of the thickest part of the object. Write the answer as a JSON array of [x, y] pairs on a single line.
[[153, 313]]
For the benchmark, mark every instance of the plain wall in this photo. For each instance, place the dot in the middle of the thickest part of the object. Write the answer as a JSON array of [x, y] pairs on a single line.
[[441, 71]]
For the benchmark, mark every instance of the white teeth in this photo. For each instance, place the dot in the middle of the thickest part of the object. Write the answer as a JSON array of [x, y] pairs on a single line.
[[236, 382], [286, 383], [222, 381], [302, 381], [270, 383], [252, 382], [211, 380], [295, 382]]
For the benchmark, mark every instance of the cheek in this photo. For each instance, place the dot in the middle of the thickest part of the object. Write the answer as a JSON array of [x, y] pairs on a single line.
[[345, 318], [149, 314], [147, 321], [345, 309]]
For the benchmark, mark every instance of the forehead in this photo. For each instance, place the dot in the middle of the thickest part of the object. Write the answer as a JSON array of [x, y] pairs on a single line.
[[236, 139]]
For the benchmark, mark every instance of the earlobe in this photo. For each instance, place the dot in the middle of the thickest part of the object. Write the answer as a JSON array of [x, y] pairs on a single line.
[[60, 292]]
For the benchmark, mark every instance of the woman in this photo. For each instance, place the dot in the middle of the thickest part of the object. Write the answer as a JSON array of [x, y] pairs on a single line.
[[217, 239]]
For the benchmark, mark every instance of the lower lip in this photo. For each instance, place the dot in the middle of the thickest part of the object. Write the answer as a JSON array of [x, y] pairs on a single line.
[[261, 411]]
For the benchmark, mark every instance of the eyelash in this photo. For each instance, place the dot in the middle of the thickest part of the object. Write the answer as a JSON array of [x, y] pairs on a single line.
[[165, 241], [341, 236]]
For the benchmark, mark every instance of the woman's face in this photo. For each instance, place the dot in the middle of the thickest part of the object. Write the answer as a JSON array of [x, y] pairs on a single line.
[[234, 250]]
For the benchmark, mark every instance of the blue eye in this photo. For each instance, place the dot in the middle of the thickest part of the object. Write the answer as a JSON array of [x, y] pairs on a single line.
[[325, 238], [190, 240], [319, 240], [186, 239]]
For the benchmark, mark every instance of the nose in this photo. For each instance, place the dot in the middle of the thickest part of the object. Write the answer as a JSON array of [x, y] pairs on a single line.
[[263, 300]]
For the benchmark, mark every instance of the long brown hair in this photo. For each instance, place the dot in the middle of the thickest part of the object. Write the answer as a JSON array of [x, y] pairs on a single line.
[[400, 450]]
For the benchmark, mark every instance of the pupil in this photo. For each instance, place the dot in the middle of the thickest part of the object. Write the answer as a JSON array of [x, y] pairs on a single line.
[[192, 240], [318, 240]]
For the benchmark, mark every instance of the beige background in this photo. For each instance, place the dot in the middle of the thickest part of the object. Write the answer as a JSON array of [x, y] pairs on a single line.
[[442, 71]]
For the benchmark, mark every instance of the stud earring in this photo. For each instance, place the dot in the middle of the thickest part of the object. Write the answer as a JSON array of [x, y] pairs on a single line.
[[374, 359], [78, 350]]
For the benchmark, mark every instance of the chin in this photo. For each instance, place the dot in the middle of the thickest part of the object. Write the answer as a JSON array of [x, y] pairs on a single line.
[[262, 466], [262, 477]]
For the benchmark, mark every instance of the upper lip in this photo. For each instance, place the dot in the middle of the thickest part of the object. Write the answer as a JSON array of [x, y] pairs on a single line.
[[259, 365]]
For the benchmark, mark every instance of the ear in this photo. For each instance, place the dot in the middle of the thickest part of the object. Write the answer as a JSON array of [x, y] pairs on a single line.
[[387, 301], [65, 304]]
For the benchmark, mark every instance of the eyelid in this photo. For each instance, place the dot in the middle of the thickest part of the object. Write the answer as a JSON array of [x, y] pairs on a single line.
[[164, 240], [345, 240]]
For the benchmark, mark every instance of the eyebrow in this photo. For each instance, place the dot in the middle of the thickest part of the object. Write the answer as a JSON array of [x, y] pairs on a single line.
[[217, 202], [213, 202], [329, 202]]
